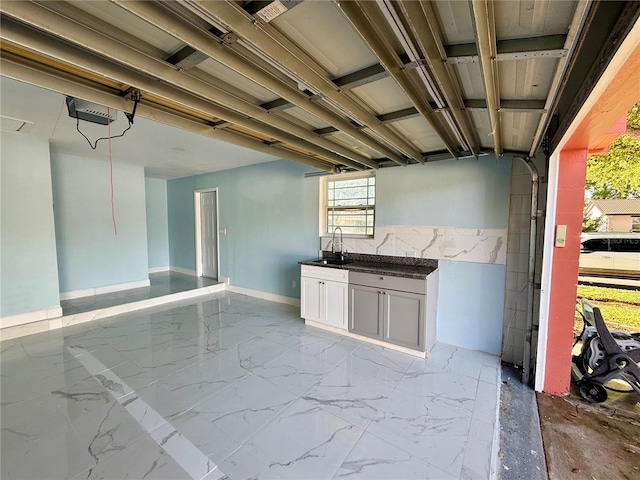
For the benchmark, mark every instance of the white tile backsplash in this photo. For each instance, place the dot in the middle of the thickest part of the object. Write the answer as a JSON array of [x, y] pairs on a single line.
[[440, 243]]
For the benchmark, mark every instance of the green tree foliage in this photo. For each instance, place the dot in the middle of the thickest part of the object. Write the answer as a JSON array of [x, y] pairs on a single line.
[[591, 224], [616, 174], [633, 117]]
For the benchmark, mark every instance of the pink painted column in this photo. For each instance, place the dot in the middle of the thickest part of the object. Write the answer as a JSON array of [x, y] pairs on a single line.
[[564, 271]]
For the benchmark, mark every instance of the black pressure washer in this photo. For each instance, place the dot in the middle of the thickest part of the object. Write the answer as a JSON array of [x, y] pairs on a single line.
[[604, 356]]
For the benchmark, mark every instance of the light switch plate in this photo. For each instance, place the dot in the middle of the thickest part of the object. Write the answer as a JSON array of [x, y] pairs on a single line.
[[561, 235]]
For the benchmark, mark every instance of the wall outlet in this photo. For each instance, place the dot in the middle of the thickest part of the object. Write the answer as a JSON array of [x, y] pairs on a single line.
[[411, 254], [293, 284], [223, 231]]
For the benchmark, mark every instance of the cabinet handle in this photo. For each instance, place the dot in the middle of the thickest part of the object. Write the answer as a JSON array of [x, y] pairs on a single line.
[[381, 278]]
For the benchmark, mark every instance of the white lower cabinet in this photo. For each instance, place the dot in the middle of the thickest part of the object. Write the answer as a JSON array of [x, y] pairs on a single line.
[[310, 298], [324, 295]]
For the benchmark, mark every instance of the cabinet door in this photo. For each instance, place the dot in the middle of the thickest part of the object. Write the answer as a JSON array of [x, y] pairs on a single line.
[[404, 319], [336, 296], [311, 298], [364, 311]]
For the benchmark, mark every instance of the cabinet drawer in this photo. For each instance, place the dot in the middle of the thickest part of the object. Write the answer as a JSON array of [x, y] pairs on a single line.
[[414, 285], [325, 273]]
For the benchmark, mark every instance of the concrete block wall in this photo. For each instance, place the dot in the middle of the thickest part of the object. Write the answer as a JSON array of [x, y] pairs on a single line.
[[518, 233], [515, 303]]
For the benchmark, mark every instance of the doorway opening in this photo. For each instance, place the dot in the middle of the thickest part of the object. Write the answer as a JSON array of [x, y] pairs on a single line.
[[207, 241]]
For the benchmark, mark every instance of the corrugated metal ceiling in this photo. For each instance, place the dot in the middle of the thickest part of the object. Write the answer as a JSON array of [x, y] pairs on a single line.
[[343, 84]]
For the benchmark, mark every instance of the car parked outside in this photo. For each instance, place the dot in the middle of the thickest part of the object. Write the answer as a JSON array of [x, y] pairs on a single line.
[[610, 254]]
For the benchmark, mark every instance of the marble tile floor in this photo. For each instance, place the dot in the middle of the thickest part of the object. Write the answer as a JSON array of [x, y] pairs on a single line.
[[234, 387], [162, 283]]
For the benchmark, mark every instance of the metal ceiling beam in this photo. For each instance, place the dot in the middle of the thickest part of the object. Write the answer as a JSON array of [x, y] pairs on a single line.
[[281, 52], [35, 75], [69, 10], [277, 105], [391, 117], [374, 30], [44, 19], [428, 157], [548, 46], [187, 58], [361, 77], [421, 17], [579, 17], [350, 81], [525, 106], [436, 156], [399, 115], [27, 38], [323, 132], [485, 29], [367, 75], [220, 51]]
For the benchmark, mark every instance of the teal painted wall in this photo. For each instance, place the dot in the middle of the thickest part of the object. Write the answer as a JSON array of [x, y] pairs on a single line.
[[470, 305], [464, 193], [157, 222], [270, 212], [271, 215], [180, 208], [90, 254], [28, 269]]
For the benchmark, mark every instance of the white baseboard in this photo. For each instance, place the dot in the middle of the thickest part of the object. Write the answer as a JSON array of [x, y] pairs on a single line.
[[186, 271], [70, 295], [272, 297], [166, 268], [225, 280], [140, 305], [26, 329], [75, 319], [29, 317], [89, 292]]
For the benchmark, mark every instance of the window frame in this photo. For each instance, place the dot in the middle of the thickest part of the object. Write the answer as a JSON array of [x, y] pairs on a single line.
[[324, 202], [635, 219]]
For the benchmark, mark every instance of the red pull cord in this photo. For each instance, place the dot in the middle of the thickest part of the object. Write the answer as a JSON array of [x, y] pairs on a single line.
[[113, 210]]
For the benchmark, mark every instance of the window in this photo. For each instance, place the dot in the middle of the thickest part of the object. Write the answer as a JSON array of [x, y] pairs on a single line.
[[350, 204], [595, 245], [625, 245], [635, 224]]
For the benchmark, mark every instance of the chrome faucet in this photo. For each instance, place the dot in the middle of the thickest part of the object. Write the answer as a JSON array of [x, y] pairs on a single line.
[[333, 242]]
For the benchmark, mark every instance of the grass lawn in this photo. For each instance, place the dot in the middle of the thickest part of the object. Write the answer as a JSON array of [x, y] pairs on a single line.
[[620, 308]]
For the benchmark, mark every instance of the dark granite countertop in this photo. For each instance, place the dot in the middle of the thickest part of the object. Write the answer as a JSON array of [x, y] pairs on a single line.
[[378, 264]]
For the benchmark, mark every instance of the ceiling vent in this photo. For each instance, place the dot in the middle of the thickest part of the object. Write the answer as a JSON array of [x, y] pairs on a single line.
[[14, 125]]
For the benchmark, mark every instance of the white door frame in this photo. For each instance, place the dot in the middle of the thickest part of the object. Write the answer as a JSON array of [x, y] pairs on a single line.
[[198, 222], [547, 263]]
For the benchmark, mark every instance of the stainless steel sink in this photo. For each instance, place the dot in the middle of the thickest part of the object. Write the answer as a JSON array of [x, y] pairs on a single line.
[[332, 261]]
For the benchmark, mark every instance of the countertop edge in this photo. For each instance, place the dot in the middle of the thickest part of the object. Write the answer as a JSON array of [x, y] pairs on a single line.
[[388, 269]]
